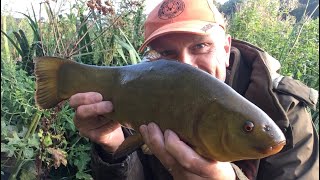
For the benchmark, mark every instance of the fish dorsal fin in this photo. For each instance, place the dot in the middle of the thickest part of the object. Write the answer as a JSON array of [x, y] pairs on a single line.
[[129, 145]]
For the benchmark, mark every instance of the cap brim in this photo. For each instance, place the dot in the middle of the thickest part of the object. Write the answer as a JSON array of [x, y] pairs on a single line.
[[192, 27]]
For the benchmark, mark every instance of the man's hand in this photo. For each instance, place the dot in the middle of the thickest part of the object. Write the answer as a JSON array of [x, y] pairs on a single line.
[[90, 121], [180, 160]]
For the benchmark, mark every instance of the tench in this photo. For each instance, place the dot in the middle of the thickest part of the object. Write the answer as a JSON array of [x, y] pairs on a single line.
[[212, 118]]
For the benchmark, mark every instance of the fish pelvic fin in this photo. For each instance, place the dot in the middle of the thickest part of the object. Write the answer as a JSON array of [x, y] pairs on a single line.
[[47, 71], [129, 145]]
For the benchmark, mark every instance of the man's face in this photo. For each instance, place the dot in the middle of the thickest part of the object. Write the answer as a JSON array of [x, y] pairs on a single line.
[[209, 53]]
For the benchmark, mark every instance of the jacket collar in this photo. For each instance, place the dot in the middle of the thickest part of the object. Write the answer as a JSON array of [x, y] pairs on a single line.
[[251, 73]]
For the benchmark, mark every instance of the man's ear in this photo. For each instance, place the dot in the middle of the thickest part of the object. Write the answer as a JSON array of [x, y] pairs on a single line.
[[227, 48]]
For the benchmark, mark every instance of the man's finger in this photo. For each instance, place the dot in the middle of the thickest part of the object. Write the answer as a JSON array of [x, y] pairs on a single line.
[[89, 124], [84, 98], [186, 156], [153, 138], [99, 132], [93, 110]]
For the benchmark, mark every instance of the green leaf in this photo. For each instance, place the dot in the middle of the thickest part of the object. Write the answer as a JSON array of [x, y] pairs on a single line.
[[10, 150], [83, 175], [82, 162], [28, 153], [70, 124], [134, 52], [40, 133], [24, 43], [33, 141], [128, 48], [47, 140], [13, 43], [133, 58], [28, 172], [14, 140], [120, 51], [34, 26]]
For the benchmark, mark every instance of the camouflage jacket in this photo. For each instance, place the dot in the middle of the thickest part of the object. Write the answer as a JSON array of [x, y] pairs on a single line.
[[254, 74]]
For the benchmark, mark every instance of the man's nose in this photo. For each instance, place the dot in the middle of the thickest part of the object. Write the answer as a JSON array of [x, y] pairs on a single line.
[[185, 58]]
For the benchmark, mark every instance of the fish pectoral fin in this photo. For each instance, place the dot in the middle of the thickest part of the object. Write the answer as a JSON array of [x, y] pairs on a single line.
[[129, 145]]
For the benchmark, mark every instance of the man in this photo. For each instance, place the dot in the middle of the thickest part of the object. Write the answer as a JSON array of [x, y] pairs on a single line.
[[193, 32]]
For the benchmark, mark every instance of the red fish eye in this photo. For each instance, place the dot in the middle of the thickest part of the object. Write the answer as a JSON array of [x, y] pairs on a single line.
[[248, 126]]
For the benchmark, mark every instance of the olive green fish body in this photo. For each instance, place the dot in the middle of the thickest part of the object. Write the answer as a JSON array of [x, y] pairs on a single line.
[[205, 113]]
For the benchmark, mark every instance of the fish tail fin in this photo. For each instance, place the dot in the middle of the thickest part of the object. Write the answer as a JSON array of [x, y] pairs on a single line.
[[47, 71]]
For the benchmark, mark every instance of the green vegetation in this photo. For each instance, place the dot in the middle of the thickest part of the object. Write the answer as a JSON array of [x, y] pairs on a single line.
[[45, 143]]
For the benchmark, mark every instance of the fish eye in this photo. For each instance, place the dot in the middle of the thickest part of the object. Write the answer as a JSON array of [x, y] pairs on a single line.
[[248, 126]]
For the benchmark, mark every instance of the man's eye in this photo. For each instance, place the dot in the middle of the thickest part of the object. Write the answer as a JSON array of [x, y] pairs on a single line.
[[200, 46], [167, 53]]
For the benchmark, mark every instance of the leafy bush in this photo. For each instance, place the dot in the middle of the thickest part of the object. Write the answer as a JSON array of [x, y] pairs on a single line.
[[36, 141], [19, 144]]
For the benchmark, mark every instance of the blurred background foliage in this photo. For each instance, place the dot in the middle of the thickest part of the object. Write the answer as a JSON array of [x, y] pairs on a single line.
[[44, 144]]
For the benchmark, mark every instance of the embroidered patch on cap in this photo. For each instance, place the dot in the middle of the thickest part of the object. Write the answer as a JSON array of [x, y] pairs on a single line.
[[207, 27], [170, 9]]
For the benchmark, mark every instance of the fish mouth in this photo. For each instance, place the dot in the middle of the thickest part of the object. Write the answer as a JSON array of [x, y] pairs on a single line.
[[273, 149]]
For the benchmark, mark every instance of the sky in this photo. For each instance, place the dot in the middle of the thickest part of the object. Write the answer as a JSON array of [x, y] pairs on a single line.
[[25, 5]]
